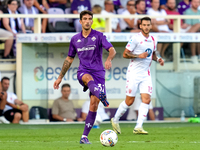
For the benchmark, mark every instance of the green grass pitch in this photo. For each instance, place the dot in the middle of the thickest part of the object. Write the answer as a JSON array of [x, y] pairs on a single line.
[[169, 136]]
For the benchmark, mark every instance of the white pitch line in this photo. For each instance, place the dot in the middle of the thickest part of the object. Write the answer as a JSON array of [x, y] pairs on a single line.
[[129, 142]]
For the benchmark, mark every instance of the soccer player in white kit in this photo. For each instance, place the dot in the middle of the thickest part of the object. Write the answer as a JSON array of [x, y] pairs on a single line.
[[141, 50]]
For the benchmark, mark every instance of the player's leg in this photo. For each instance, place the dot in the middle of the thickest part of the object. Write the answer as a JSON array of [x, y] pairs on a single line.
[[146, 91], [131, 89], [151, 112], [120, 112], [2, 106], [95, 89], [17, 117], [25, 114], [94, 102], [142, 114]]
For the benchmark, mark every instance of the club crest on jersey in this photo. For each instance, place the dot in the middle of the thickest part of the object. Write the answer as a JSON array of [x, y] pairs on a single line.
[[93, 38], [149, 51]]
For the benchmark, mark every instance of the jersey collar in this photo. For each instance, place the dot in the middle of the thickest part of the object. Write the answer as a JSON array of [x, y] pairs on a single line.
[[90, 35]]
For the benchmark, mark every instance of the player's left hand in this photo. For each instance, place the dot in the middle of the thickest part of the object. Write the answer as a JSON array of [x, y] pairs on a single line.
[[161, 61], [108, 64]]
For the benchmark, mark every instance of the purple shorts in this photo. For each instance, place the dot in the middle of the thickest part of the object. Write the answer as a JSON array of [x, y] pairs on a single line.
[[99, 81]]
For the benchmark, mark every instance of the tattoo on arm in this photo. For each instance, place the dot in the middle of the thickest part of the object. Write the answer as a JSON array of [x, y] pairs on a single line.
[[130, 55], [66, 66]]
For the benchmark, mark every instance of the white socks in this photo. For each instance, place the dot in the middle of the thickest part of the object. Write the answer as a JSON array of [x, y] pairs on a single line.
[[120, 111], [83, 136], [142, 114]]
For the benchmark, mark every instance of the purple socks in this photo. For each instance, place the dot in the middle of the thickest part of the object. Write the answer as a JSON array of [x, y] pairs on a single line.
[[94, 89], [89, 122]]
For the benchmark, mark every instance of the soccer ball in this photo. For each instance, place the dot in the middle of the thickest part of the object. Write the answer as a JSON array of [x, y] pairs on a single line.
[[108, 138]]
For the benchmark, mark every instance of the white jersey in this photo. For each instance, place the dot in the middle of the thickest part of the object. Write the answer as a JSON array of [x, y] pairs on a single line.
[[11, 97], [139, 44]]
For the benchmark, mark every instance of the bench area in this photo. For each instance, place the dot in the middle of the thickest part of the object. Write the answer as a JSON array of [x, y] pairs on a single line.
[[47, 114]]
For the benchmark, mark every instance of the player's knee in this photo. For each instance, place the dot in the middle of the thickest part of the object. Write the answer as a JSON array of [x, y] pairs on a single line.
[[129, 103], [26, 107], [146, 100], [17, 116], [94, 104], [86, 78]]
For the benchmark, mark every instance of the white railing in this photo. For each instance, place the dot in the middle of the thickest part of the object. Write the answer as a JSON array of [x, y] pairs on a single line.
[[177, 23], [37, 21]]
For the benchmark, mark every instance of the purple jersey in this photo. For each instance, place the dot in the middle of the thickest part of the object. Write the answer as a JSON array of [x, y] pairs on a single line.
[[148, 4], [89, 50], [182, 6], [80, 5]]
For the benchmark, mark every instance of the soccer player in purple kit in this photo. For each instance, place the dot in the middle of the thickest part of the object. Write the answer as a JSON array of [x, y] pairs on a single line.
[[89, 45]]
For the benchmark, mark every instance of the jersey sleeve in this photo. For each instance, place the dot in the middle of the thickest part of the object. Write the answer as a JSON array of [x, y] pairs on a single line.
[[132, 43], [72, 49], [105, 42]]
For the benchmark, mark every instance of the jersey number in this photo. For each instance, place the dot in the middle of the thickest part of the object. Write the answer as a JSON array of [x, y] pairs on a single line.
[[149, 89], [101, 87]]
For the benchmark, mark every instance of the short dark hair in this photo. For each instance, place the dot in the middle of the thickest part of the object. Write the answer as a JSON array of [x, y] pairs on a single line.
[[145, 18], [65, 85], [5, 78], [84, 13], [129, 1], [138, 2], [10, 1]]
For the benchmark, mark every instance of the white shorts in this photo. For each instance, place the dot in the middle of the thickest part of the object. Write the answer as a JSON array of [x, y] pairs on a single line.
[[133, 82]]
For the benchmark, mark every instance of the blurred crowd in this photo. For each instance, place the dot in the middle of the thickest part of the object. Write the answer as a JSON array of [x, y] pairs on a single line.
[[12, 26]]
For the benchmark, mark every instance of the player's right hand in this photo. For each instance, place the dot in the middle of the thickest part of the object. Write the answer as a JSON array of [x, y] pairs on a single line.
[[143, 55], [1, 94], [56, 83]]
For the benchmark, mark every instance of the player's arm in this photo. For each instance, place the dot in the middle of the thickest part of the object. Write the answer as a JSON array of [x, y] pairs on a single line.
[[129, 55], [157, 59], [57, 117], [111, 55], [12, 105], [18, 105], [0, 87], [66, 65], [18, 102], [130, 22]]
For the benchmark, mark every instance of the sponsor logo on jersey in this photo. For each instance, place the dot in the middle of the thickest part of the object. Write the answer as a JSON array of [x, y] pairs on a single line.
[[149, 51], [87, 48], [78, 40]]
